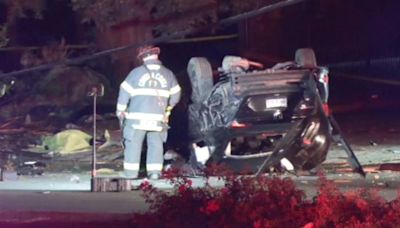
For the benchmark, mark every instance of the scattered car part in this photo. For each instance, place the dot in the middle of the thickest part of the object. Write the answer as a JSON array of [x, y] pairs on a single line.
[[6, 86], [338, 137], [31, 168]]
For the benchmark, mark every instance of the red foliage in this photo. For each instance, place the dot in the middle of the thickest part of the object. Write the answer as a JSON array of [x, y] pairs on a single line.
[[361, 208], [264, 202]]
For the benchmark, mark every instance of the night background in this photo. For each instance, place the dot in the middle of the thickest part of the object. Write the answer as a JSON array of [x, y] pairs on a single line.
[[51, 51], [353, 38]]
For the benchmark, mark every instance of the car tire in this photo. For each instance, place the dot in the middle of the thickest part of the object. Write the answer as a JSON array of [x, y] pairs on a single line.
[[201, 78], [305, 57]]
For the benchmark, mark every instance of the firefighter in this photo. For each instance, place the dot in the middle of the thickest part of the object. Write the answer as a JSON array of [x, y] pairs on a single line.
[[146, 99]]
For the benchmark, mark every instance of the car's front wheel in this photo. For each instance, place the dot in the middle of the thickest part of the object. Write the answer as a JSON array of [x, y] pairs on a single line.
[[201, 78]]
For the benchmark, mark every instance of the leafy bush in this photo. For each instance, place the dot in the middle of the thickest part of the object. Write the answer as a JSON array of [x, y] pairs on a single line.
[[263, 202]]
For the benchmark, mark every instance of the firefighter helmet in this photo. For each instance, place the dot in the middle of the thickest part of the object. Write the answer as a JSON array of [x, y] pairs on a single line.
[[145, 51]]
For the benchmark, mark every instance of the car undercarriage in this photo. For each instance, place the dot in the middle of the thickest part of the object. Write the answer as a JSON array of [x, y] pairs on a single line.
[[253, 119]]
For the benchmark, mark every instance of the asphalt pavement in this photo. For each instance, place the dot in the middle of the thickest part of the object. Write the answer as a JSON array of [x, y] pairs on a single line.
[[71, 193]]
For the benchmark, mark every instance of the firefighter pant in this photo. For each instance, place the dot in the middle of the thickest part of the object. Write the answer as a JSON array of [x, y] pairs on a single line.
[[133, 142]]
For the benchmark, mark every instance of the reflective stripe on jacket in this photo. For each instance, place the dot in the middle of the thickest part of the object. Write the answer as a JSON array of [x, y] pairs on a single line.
[[145, 95]]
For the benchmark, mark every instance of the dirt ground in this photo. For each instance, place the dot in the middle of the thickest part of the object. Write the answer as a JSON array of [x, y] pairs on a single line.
[[373, 136]]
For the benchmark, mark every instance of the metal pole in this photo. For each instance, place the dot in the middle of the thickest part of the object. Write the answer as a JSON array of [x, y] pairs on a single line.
[[93, 182]]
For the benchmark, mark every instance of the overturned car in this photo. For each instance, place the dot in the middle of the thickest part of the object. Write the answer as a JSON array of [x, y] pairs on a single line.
[[253, 120]]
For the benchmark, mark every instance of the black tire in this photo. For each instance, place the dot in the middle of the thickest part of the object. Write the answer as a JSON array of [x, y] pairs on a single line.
[[305, 57], [201, 78]]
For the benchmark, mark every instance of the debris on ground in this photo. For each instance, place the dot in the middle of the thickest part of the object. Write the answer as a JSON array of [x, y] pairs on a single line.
[[390, 166], [40, 113], [372, 143], [31, 168], [394, 151], [104, 171], [112, 139], [75, 179]]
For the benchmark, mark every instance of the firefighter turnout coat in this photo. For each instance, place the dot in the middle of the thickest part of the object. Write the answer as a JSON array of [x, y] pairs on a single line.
[[147, 96]]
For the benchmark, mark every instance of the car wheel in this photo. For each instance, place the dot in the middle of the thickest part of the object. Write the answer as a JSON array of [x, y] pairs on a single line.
[[201, 78], [305, 57]]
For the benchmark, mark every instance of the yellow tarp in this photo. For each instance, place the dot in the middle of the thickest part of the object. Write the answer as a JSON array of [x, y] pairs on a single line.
[[68, 141]]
